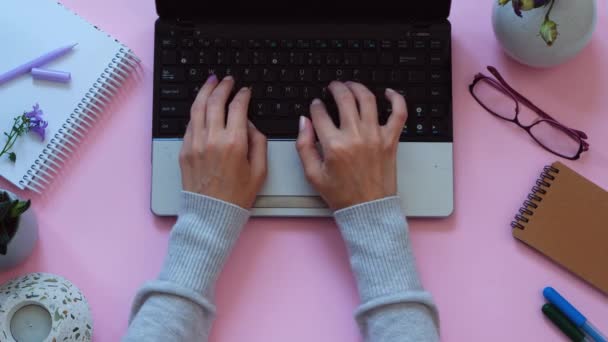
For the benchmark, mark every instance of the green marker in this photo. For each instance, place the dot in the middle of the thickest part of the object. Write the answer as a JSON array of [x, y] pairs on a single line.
[[574, 333]]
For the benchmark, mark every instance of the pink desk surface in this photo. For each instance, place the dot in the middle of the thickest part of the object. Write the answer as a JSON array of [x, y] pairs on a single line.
[[289, 279]]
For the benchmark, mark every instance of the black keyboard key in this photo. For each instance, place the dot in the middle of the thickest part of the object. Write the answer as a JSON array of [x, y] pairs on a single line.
[[394, 76], [353, 44], [187, 43], [287, 75], [333, 59], [278, 58], [296, 58], [258, 58], [240, 58], [438, 110], [342, 74], [421, 128], [320, 44], [369, 58], [260, 109], [204, 57], [217, 71], [361, 75], [236, 73], [288, 44], [186, 57], [172, 74], [204, 43], [420, 110], [351, 59], [411, 59], [282, 109], [304, 75], [386, 58], [438, 128], [378, 76], [415, 92], [403, 44], [223, 57], [271, 43], [337, 44], [250, 75], [313, 58], [258, 91], [174, 109], [405, 131], [437, 60], [236, 44], [438, 76], [386, 44], [309, 93], [254, 43], [322, 75], [439, 92], [272, 92], [269, 75], [420, 44], [416, 76], [173, 92], [168, 57], [370, 44], [435, 44], [170, 126], [194, 74], [220, 43], [290, 91], [300, 109], [186, 32], [197, 33], [168, 43], [303, 44]]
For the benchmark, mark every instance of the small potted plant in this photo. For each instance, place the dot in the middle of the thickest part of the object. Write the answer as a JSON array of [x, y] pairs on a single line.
[[544, 33], [18, 230]]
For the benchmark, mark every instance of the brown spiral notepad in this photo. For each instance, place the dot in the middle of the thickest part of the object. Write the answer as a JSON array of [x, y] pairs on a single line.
[[565, 217]]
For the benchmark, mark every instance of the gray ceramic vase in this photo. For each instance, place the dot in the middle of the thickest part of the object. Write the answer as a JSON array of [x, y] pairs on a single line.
[[22, 244]]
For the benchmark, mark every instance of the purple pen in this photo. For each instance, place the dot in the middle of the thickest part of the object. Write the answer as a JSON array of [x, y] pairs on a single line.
[[51, 75], [25, 68]]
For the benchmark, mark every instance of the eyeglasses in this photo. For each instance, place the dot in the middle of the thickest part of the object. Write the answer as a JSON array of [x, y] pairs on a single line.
[[499, 99]]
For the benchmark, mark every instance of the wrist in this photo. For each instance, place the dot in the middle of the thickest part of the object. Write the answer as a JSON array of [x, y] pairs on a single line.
[[203, 236]]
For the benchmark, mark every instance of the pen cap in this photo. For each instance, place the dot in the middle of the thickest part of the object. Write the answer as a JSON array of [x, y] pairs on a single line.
[[51, 75], [574, 333], [566, 308]]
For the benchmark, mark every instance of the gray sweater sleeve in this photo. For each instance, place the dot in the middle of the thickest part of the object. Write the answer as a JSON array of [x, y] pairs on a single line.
[[178, 306], [394, 306]]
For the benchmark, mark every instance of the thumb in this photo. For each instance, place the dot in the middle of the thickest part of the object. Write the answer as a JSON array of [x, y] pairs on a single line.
[[311, 160]]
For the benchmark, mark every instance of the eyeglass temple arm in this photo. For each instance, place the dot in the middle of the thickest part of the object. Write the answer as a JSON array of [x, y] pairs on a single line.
[[527, 102]]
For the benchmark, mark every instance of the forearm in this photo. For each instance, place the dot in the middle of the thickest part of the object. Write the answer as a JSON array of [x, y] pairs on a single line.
[[394, 306], [178, 306]]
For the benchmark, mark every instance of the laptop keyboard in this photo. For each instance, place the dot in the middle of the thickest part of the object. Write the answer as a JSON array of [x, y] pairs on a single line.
[[286, 74]]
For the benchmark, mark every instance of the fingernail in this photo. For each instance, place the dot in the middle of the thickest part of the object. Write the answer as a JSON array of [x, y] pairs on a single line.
[[228, 78], [244, 89], [302, 123], [211, 78], [316, 102], [389, 90], [250, 124]]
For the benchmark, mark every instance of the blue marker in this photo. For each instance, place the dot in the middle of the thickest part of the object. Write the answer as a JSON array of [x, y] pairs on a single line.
[[573, 315]]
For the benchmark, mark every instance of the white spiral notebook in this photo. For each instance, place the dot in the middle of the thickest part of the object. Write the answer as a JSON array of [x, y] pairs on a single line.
[[99, 65]]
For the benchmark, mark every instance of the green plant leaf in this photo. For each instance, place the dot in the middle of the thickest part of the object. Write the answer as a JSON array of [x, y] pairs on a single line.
[[19, 207], [12, 157], [5, 208]]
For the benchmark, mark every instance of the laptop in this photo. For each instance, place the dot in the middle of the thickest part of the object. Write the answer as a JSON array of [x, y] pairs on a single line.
[[288, 52]]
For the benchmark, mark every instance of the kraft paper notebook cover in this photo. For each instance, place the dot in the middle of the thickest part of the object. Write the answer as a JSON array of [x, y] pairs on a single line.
[[566, 218]]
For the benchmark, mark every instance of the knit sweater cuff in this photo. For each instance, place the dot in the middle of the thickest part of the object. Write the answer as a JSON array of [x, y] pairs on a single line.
[[376, 235], [201, 240]]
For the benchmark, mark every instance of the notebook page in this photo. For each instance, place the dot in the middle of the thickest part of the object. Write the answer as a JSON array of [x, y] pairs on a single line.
[[28, 29]]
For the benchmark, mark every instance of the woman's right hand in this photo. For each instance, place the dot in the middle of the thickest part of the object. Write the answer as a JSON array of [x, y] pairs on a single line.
[[359, 159]]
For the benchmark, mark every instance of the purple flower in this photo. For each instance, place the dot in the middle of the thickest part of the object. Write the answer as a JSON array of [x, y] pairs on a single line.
[[36, 123]]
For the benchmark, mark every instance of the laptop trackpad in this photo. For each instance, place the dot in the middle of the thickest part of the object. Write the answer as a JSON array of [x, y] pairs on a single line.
[[285, 173]]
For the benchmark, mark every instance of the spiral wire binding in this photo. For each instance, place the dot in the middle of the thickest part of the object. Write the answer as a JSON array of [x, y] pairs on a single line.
[[73, 131], [534, 197]]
